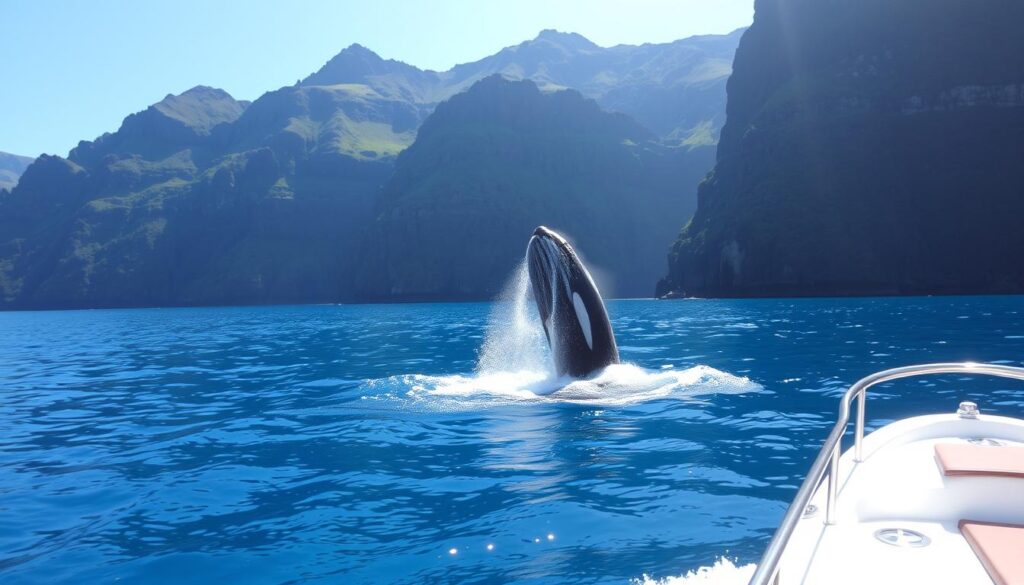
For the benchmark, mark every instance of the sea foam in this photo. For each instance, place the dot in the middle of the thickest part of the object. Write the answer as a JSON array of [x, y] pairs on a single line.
[[723, 572]]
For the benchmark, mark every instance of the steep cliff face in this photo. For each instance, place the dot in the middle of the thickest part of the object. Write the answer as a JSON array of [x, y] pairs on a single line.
[[199, 199], [493, 163], [870, 147]]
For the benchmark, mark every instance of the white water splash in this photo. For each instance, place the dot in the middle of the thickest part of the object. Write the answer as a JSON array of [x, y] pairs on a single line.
[[515, 366], [723, 572], [615, 385], [515, 337]]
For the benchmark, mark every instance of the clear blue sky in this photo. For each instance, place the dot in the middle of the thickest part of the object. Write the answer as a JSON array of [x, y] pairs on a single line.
[[74, 69]]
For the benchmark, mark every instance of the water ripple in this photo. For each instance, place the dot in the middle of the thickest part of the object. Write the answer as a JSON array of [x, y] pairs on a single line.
[[362, 444]]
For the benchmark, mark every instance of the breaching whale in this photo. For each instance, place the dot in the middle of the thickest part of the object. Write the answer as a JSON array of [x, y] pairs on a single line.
[[571, 309]]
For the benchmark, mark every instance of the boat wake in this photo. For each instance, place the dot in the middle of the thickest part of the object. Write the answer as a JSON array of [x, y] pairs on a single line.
[[723, 572], [515, 367]]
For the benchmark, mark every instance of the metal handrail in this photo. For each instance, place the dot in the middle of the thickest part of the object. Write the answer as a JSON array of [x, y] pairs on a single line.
[[767, 569]]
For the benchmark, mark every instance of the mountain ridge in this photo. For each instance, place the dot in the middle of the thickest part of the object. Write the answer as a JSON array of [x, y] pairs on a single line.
[[205, 199], [628, 64], [453, 220]]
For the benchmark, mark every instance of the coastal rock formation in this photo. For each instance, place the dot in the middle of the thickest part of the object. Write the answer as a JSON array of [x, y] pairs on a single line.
[[870, 147], [204, 199], [493, 163], [199, 199]]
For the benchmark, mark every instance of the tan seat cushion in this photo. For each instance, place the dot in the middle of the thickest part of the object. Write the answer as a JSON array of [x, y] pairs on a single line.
[[1000, 548], [958, 459]]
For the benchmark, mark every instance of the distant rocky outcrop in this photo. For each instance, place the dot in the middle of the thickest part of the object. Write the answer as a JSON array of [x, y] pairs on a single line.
[[493, 163], [871, 147], [11, 168]]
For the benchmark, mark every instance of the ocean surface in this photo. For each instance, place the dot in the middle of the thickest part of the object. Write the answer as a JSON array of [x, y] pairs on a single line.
[[408, 444]]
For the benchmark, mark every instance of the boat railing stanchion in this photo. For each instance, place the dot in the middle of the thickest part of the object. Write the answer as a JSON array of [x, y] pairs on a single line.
[[833, 486], [859, 436]]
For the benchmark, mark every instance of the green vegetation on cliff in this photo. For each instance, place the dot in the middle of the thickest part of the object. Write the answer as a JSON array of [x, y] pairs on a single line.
[[198, 199], [871, 147]]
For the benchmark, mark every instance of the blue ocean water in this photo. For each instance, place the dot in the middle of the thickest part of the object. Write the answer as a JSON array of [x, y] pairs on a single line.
[[381, 444]]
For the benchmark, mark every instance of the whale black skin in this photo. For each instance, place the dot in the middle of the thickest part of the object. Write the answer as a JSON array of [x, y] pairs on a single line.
[[570, 307]]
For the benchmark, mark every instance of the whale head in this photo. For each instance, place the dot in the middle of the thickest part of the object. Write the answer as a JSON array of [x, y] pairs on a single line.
[[571, 308]]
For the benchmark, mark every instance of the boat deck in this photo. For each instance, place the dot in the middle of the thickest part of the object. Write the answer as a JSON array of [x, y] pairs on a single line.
[[900, 489]]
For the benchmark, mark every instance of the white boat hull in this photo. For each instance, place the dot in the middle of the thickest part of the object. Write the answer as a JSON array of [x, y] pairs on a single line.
[[900, 488]]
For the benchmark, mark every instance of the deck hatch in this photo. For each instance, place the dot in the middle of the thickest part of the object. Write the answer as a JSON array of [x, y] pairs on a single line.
[[902, 537]]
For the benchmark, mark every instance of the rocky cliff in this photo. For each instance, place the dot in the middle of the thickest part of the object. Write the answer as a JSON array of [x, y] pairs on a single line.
[[199, 199], [870, 147], [493, 163]]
